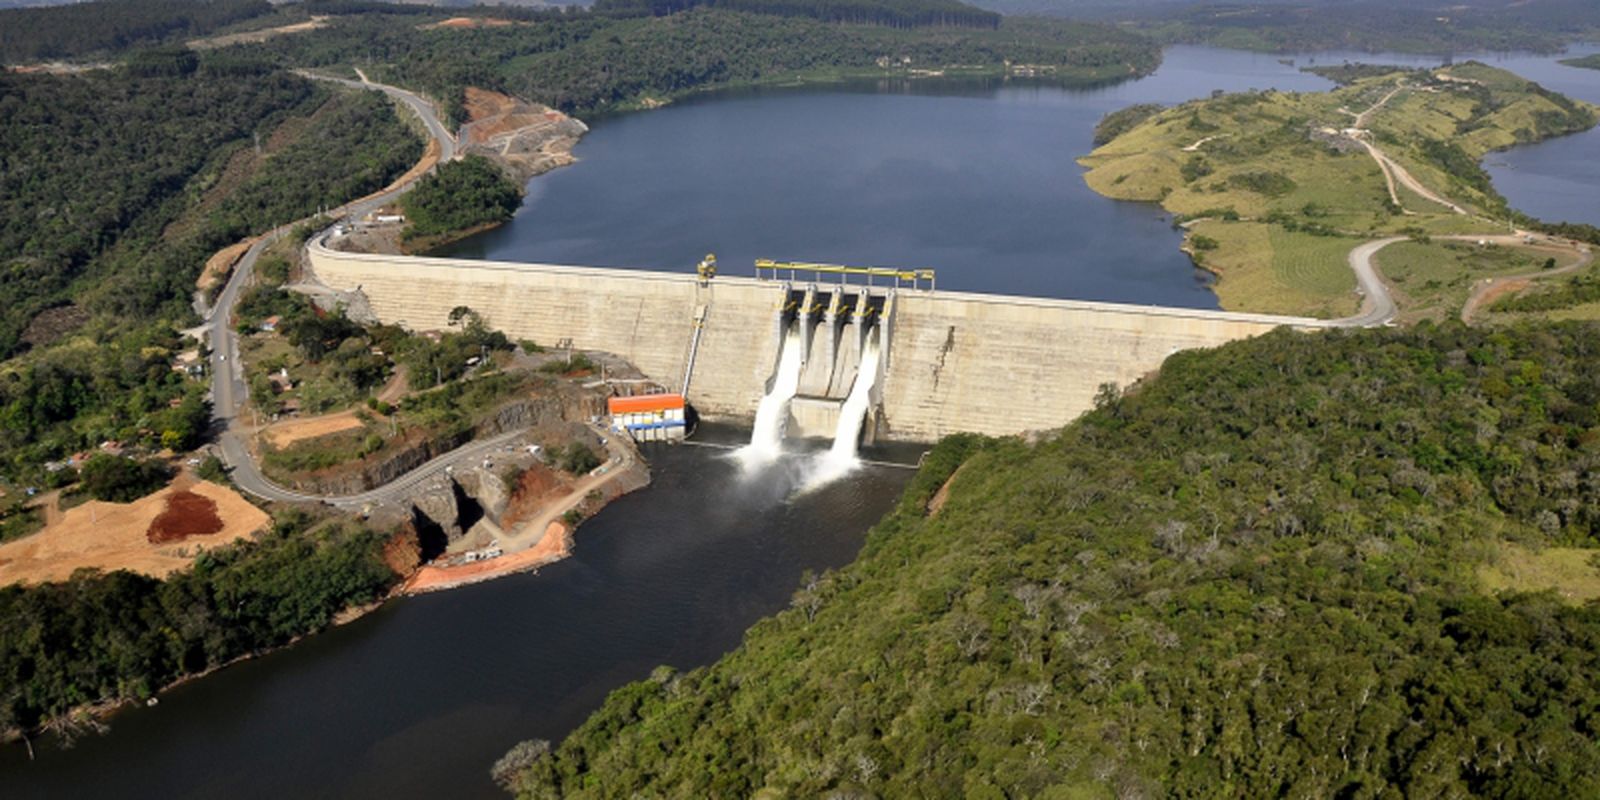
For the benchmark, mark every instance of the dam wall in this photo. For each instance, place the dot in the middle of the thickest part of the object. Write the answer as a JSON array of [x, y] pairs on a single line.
[[989, 364]]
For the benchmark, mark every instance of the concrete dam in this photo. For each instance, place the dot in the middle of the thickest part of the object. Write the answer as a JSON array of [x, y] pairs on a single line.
[[941, 362]]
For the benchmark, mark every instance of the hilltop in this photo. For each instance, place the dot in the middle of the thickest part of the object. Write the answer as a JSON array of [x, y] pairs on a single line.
[[1277, 187]]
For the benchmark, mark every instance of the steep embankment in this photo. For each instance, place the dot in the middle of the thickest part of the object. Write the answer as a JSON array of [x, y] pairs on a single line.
[[1279, 187], [1256, 576]]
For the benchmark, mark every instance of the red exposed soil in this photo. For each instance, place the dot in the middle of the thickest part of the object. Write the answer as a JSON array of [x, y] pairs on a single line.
[[401, 552], [537, 486], [186, 514]]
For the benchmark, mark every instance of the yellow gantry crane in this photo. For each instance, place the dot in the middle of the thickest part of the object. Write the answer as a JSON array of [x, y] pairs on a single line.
[[900, 276]]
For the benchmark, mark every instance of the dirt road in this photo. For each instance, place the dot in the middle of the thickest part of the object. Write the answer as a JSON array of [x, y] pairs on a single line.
[[1491, 288]]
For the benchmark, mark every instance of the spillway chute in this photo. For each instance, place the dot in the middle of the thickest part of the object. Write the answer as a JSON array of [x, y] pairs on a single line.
[[772, 414]]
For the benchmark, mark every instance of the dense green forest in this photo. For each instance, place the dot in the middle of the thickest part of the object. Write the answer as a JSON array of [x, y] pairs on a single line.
[[115, 187], [103, 27], [588, 63], [106, 637], [94, 167], [893, 13], [1374, 27], [461, 195], [1252, 576]]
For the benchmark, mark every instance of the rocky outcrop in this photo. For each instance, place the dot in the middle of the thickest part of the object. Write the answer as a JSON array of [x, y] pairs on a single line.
[[487, 488], [436, 500]]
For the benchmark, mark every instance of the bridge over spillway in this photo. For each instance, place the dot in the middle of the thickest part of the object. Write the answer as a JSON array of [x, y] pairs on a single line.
[[950, 361]]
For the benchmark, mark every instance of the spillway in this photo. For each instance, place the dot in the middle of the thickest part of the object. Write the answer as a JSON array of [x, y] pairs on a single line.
[[766, 439], [841, 457]]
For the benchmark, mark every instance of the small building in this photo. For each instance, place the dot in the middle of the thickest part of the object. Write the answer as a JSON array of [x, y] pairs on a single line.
[[649, 417], [270, 324]]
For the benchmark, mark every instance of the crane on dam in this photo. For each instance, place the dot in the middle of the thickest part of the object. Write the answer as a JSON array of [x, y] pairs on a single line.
[[899, 278]]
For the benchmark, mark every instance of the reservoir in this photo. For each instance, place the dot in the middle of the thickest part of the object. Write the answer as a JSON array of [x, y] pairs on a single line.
[[1556, 180], [978, 181]]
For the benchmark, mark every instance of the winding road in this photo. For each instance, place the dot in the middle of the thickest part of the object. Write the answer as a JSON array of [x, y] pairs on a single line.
[[227, 386], [1377, 305]]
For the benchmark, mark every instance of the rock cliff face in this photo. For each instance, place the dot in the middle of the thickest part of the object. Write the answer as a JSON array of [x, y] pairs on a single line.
[[488, 489], [545, 411]]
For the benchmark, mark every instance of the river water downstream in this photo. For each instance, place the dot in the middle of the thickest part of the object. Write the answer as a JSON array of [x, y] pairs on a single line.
[[419, 698]]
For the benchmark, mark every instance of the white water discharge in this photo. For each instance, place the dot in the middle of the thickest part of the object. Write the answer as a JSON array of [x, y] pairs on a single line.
[[766, 441], [841, 459]]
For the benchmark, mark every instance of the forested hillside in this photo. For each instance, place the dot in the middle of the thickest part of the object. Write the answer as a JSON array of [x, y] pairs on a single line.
[[893, 13], [88, 160], [461, 195], [122, 636], [104, 26], [1289, 26], [1256, 576], [591, 63], [116, 186]]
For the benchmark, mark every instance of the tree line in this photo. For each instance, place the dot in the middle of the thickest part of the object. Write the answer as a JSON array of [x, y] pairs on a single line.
[[115, 188], [1254, 574], [891, 13], [586, 63], [102, 27], [101, 637]]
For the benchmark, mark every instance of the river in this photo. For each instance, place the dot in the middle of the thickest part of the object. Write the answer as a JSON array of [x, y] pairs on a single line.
[[420, 697]]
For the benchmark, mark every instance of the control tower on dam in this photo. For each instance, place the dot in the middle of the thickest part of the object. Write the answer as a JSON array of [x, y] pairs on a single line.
[[943, 361]]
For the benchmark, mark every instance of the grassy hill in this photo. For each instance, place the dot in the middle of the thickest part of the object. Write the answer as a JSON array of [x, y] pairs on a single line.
[[1305, 565], [1286, 186]]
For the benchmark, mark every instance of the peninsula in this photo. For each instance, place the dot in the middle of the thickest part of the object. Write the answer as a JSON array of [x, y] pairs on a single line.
[[1277, 188]]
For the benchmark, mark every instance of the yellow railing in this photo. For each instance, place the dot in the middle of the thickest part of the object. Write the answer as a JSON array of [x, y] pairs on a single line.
[[915, 277]]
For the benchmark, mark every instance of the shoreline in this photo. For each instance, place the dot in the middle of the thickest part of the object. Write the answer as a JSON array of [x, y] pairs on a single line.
[[556, 544], [1097, 159], [100, 712]]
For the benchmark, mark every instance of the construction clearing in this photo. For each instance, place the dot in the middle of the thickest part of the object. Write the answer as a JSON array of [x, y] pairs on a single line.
[[155, 535]]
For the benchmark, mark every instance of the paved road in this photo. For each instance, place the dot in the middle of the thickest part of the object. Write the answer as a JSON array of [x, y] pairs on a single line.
[[1377, 305], [228, 390], [399, 489]]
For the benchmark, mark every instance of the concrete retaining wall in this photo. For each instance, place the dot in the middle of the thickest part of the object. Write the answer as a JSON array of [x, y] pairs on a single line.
[[957, 362]]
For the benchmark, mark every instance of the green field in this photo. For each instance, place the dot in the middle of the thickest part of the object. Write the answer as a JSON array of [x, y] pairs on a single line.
[[1433, 280], [1265, 268], [1568, 571]]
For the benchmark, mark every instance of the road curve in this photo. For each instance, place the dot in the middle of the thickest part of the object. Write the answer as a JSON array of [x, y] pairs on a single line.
[[1377, 305], [227, 384]]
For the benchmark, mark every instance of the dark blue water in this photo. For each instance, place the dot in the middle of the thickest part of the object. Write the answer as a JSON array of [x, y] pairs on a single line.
[[1556, 180], [978, 182], [419, 698]]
